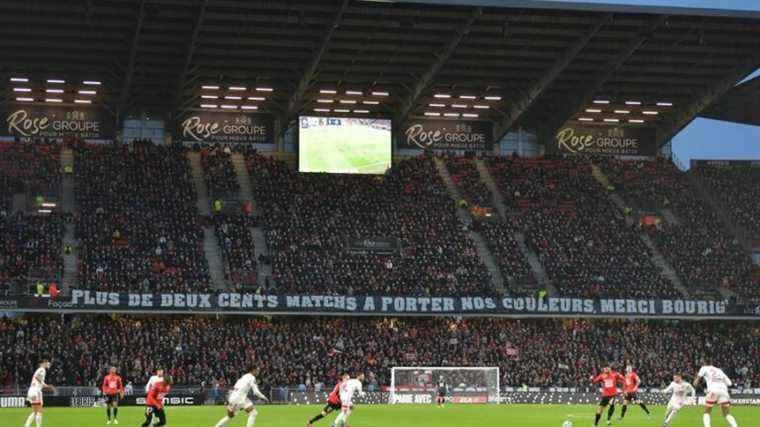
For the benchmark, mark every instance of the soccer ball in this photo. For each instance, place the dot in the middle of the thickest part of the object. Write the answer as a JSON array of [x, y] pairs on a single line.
[[567, 423]]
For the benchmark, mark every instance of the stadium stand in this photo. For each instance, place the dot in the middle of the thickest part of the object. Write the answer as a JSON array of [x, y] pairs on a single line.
[[30, 242], [466, 176], [580, 237], [34, 166], [499, 235], [312, 217], [705, 255], [294, 351], [220, 175], [237, 246], [737, 187], [137, 225]]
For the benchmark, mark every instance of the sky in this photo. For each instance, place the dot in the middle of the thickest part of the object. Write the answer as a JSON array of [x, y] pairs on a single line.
[[741, 5]]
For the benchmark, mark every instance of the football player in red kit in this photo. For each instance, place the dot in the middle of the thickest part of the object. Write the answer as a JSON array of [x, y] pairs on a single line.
[[155, 401], [632, 383], [333, 401], [609, 380]]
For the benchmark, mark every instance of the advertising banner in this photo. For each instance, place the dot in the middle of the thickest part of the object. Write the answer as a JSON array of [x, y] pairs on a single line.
[[378, 245], [227, 128], [251, 303], [605, 140], [30, 121], [447, 135]]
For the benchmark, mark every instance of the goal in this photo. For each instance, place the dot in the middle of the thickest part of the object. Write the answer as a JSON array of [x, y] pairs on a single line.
[[419, 384]]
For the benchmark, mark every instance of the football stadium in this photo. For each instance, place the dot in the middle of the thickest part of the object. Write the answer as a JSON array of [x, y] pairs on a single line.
[[366, 213]]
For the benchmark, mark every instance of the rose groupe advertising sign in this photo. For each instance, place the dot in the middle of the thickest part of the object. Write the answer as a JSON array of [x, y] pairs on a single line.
[[448, 134], [57, 122], [228, 128]]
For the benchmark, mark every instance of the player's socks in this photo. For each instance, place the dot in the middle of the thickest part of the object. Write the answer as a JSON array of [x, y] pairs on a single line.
[[596, 422], [108, 413], [668, 418], [29, 420], [251, 419], [115, 413], [316, 418], [610, 412], [623, 411], [38, 419], [644, 407], [223, 422], [731, 420], [706, 420]]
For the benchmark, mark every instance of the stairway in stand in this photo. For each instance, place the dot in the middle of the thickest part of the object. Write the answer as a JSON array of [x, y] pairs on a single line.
[[68, 205], [261, 248], [243, 179], [657, 258], [196, 169], [505, 214], [211, 247], [485, 255]]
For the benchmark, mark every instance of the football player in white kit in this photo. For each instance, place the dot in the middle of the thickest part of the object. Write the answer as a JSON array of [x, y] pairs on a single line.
[[679, 389], [154, 379], [348, 389], [238, 399], [34, 395], [716, 392]]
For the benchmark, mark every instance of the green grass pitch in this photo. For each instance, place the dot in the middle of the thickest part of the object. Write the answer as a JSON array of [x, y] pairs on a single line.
[[350, 149], [386, 416]]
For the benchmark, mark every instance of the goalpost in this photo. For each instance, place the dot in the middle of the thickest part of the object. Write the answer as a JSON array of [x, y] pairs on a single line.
[[419, 384]]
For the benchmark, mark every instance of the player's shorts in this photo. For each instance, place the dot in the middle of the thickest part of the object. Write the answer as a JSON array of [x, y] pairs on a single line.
[[34, 396], [237, 402], [441, 393], [605, 400], [676, 404], [631, 396], [720, 397], [331, 407], [111, 398]]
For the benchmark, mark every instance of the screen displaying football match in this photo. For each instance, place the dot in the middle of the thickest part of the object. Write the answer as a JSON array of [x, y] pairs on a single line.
[[344, 145]]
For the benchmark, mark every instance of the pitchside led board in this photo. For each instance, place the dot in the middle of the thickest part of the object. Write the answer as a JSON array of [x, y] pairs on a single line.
[[344, 145]]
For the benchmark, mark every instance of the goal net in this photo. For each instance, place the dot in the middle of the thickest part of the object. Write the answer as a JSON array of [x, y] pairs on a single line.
[[420, 384]]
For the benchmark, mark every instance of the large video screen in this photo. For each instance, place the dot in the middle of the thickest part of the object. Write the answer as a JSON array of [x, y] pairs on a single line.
[[344, 145]]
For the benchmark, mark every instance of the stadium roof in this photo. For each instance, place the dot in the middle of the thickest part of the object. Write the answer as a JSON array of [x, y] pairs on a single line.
[[740, 104], [538, 66]]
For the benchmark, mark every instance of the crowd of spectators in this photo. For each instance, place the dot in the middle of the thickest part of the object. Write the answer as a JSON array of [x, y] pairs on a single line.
[[737, 187], [30, 242], [32, 167], [499, 235], [466, 177], [30, 246], [137, 224], [580, 237], [298, 351], [237, 247], [220, 174], [703, 252], [312, 219]]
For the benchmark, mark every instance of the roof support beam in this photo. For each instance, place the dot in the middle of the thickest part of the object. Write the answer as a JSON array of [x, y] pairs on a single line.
[[182, 80], [296, 100], [441, 58], [607, 71], [130, 72], [519, 107], [683, 116]]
